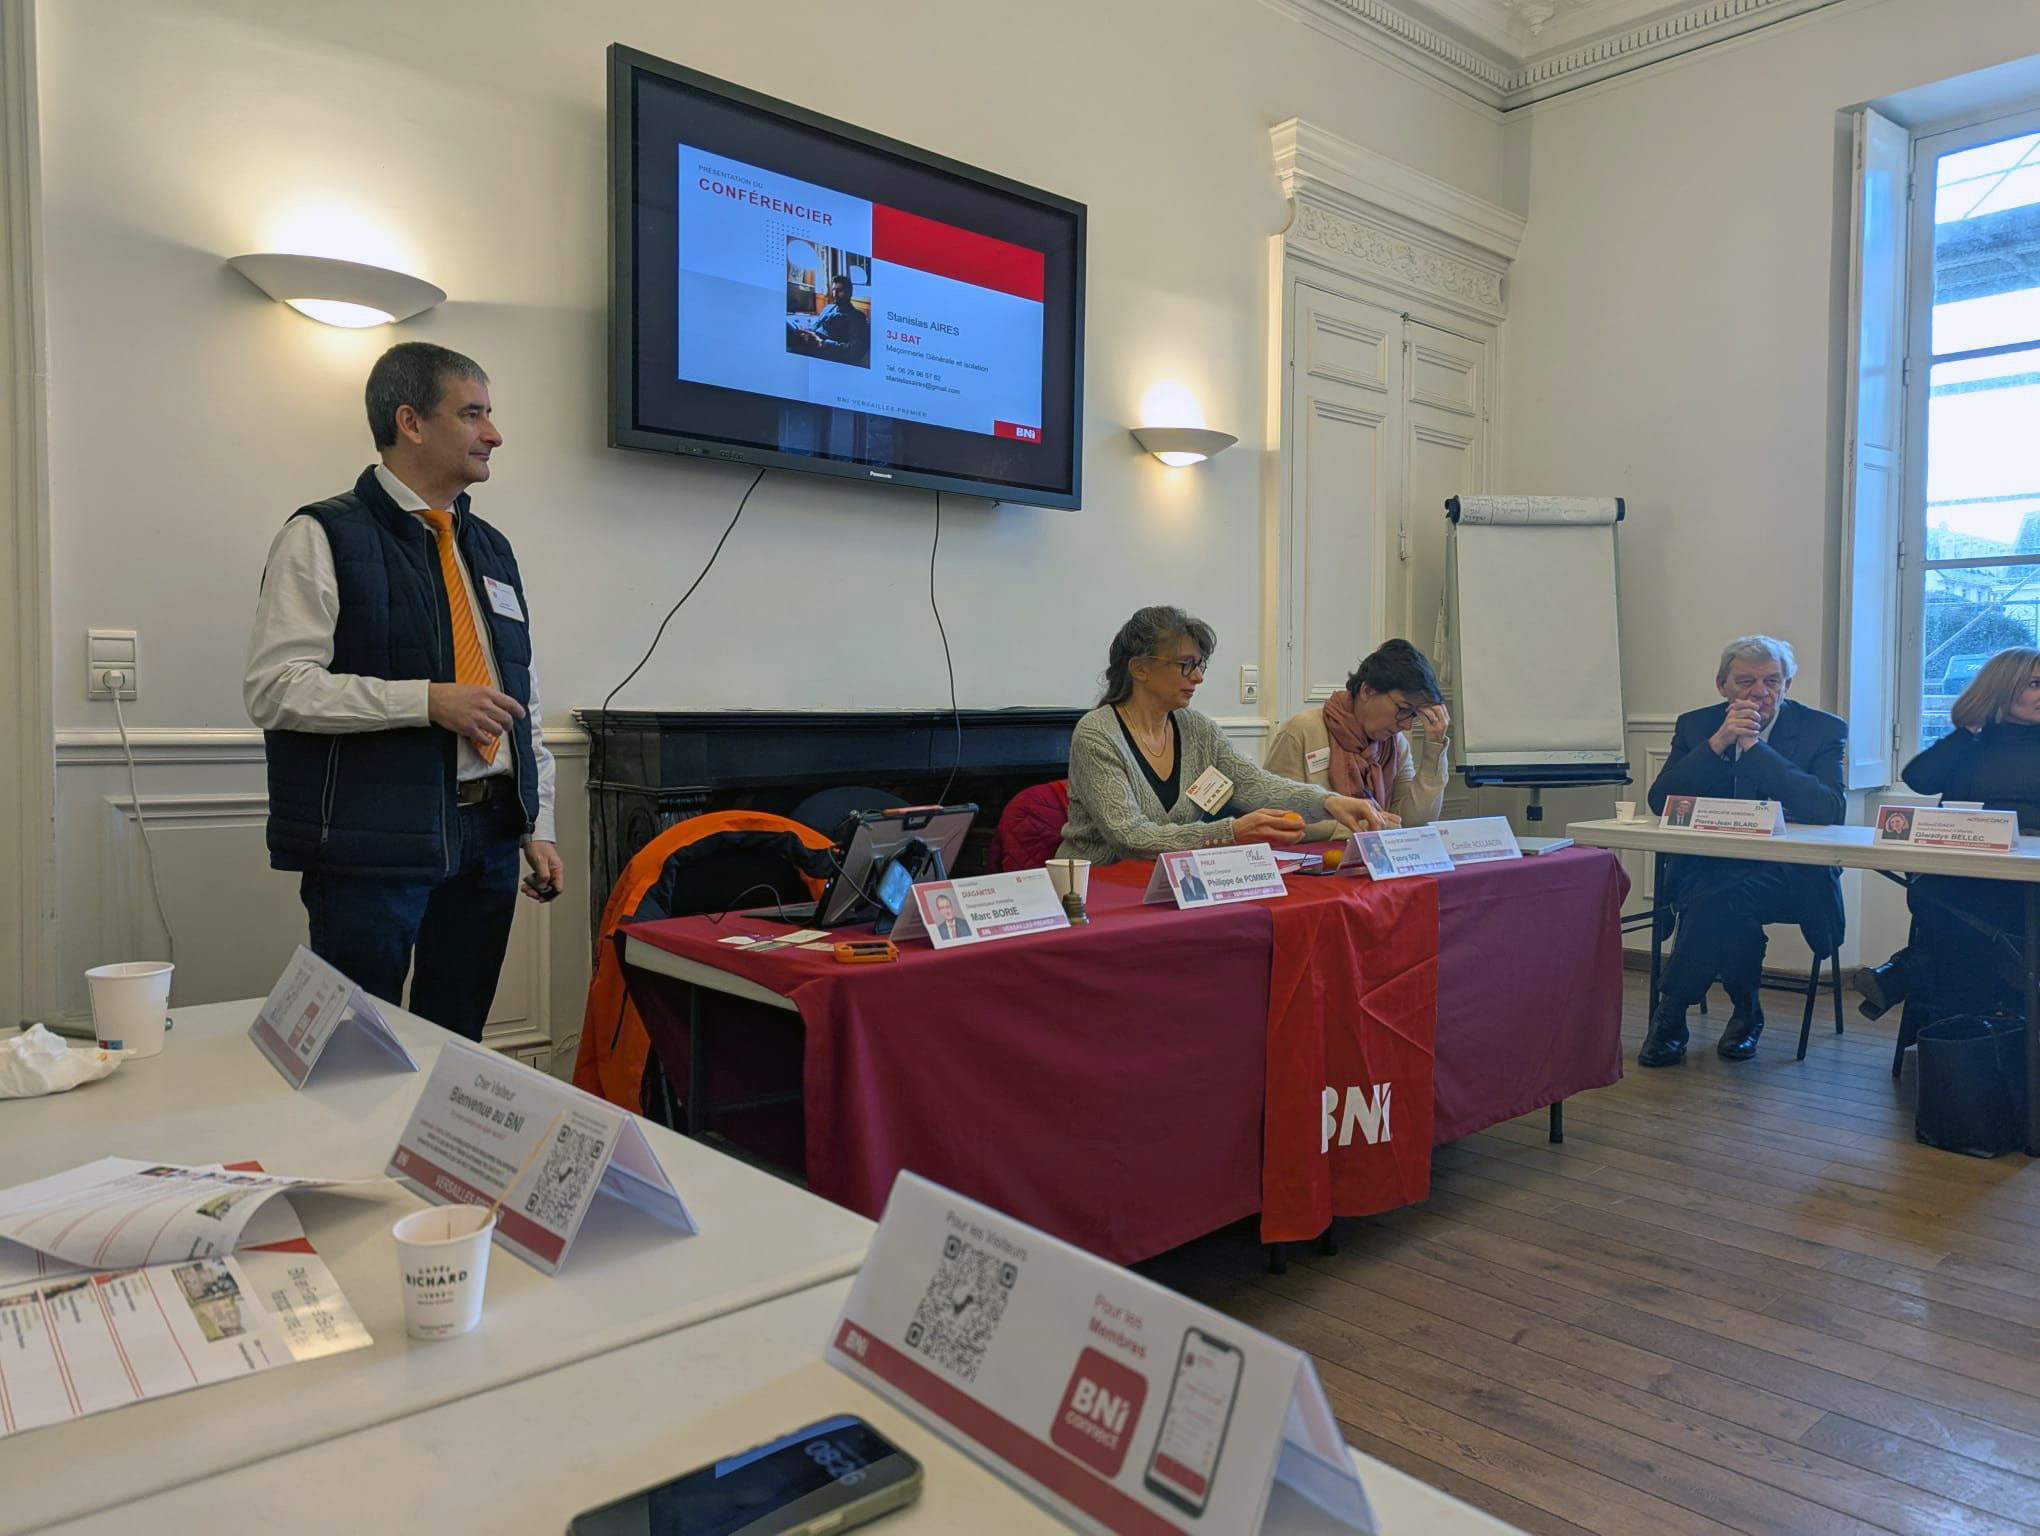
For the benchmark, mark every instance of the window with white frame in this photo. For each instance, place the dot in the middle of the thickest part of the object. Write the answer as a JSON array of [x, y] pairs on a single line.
[[1942, 476], [1974, 503]]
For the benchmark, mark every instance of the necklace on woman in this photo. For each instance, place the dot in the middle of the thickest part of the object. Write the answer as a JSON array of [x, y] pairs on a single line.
[[1159, 747]]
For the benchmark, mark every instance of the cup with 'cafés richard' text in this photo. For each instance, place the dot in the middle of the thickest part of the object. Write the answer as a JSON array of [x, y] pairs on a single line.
[[443, 1260]]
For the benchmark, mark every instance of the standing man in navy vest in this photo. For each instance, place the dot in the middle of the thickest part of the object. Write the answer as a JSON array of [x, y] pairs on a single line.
[[390, 671]]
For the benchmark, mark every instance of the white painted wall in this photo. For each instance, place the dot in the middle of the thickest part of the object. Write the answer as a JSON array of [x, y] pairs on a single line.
[[464, 140], [1676, 323]]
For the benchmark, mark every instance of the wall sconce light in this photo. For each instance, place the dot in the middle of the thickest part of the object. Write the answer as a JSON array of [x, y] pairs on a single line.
[[1177, 446], [345, 293]]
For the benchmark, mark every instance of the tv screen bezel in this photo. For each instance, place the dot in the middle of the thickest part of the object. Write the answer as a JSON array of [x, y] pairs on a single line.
[[624, 432]]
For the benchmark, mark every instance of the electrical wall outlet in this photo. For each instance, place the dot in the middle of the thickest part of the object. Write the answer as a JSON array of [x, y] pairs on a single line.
[[112, 660], [1250, 684]]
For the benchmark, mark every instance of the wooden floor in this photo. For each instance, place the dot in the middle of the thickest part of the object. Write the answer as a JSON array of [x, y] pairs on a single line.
[[1737, 1298]]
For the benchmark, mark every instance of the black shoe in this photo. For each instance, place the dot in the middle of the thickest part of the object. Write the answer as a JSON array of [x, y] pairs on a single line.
[[1739, 1040], [1665, 1046], [1884, 986]]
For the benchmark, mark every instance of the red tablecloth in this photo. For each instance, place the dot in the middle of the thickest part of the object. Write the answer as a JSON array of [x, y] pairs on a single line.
[[1107, 1084]]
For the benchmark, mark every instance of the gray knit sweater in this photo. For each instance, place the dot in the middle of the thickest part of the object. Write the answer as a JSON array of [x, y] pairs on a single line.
[[1113, 810]]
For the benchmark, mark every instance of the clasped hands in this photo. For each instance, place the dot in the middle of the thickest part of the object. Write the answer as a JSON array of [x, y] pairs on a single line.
[[1738, 728]]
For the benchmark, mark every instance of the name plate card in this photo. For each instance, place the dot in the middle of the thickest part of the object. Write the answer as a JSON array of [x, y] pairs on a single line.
[[1216, 877], [1742, 818], [1396, 854], [1941, 826], [950, 913], [308, 1006], [1122, 1406], [476, 1125], [1479, 839]]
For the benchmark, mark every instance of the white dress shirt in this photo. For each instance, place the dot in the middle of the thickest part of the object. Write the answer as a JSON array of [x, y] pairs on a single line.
[[288, 686]]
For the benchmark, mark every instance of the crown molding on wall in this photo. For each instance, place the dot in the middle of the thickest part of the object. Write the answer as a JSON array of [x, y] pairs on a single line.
[[1436, 37]]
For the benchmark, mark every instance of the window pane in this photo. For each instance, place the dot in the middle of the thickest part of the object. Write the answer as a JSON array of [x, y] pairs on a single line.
[[1970, 616], [1985, 161], [1983, 457]]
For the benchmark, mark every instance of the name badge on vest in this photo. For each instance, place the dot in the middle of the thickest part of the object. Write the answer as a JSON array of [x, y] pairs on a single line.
[[1318, 761], [503, 598], [1210, 790]]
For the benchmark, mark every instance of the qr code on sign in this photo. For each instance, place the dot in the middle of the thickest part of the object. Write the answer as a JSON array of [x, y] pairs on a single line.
[[575, 1158], [955, 1322]]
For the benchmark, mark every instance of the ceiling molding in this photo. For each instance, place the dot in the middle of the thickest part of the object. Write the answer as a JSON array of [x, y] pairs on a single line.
[[1511, 53]]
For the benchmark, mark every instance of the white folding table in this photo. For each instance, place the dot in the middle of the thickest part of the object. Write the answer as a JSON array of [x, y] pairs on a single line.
[[1855, 848], [212, 1097], [526, 1458]]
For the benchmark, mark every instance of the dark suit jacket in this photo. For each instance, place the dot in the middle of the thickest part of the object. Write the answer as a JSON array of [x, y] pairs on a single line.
[[1800, 767]]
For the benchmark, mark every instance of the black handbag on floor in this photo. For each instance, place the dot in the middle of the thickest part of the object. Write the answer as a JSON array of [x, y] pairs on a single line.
[[1972, 1084]]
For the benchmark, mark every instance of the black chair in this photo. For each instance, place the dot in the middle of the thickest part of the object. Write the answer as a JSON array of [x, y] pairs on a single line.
[[1833, 960], [826, 810]]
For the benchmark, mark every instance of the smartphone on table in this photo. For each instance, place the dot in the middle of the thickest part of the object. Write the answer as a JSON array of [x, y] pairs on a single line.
[[831, 1475]]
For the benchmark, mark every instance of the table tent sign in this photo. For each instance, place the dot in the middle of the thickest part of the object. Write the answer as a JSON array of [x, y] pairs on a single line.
[[310, 1004], [1941, 826], [1122, 1406], [1215, 877], [1742, 818], [482, 1117], [953, 913], [1397, 853], [1478, 840]]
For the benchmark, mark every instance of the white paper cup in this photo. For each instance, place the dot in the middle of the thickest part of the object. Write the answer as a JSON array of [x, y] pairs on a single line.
[[1068, 874], [129, 1004], [443, 1260], [1625, 810]]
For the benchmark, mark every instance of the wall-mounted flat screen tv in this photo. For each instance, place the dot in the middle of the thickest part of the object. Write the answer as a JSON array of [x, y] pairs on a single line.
[[788, 290]]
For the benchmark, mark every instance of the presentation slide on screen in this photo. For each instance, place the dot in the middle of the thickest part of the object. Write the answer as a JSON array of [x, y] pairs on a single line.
[[791, 290]]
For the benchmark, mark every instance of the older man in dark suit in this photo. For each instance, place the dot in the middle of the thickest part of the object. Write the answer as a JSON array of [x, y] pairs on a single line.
[[1755, 745]]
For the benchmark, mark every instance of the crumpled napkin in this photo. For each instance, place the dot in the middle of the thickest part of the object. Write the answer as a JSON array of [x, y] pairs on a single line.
[[36, 1062]]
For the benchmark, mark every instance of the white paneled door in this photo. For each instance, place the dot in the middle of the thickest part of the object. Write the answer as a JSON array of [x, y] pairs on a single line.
[[1344, 471], [1385, 416]]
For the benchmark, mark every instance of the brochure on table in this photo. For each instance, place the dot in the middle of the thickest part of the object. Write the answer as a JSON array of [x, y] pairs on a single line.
[[1216, 877], [1744, 818], [477, 1123], [310, 1004], [1396, 854], [953, 913], [121, 1213], [1478, 840], [1941, 826], [1124, 1406], [94, 1340]]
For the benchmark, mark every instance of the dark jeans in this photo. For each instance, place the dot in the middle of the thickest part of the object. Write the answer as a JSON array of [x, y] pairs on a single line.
[[1721, 934], [459, 925]]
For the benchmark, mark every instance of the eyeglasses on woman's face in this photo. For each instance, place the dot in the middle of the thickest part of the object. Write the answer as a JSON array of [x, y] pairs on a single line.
[[1189, 666], [1407, 713]]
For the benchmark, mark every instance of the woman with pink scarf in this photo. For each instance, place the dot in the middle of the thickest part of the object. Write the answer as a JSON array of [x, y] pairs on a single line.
[[1355, 743]]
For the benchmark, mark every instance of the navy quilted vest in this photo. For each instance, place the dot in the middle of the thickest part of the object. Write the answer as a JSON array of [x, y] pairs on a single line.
[[382, 802]]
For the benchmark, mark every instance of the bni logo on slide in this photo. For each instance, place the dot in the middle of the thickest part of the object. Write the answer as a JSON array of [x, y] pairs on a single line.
[[1100, 1408]]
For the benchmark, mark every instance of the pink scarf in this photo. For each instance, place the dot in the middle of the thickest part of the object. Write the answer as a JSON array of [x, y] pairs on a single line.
[[1360, 767]]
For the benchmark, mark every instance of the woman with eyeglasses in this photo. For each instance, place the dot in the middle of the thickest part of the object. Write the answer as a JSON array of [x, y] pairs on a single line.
[[1357, 741], [1134, 758]]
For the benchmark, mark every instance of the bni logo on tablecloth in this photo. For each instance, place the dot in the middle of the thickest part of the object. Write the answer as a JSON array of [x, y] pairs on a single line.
[[1365, 1112]]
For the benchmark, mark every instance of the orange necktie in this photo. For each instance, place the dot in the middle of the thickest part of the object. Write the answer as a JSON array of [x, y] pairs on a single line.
[[470, 662]]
